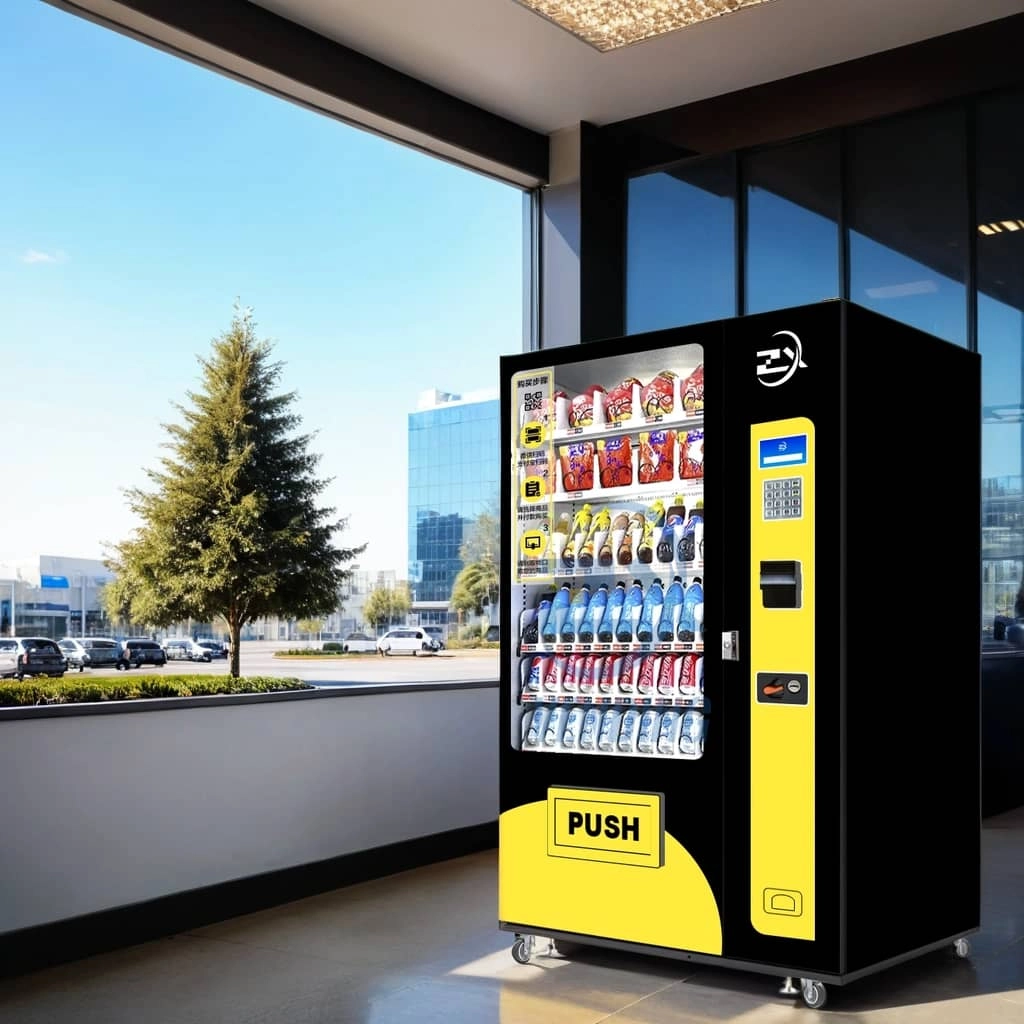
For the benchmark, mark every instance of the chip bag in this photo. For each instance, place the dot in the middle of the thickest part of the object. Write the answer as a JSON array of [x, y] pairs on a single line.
[[658, 397], [581, 408], [657, 451], [691, 392], [619, 401], [691, 455], [577, 465], [615, 462]]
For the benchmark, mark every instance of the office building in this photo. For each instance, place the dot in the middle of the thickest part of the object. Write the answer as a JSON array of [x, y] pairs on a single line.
[[453, 478]]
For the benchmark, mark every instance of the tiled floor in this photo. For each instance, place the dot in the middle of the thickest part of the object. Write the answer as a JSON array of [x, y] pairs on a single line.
[[423, 947]]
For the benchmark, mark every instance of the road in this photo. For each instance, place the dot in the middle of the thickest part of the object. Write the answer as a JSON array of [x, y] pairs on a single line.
[[256, 658]]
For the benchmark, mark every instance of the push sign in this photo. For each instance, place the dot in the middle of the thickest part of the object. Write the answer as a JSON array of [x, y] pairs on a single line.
[[606, 825]]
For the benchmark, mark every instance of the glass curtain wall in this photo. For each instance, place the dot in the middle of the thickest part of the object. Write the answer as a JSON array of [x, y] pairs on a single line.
[[894, 215]]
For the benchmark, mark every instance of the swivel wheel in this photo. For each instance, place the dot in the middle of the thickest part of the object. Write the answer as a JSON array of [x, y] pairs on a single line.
[[962, 948], [522, 949], [814, 993]]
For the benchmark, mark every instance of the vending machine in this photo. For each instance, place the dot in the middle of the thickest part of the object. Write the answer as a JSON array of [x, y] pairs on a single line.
[[740, 693]]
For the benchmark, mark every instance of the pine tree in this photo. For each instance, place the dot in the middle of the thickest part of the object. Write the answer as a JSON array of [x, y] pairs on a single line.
[[232, 527]]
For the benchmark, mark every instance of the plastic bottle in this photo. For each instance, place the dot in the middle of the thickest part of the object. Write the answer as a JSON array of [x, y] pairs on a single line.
[[687, 549], [633, 603], [577, 609], [595, 612], [559, 610], [653, 601], [671, 610], [606, 628], [543, 611], [687, 623]]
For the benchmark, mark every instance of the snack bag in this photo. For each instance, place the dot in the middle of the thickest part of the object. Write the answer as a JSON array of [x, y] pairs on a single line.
[[615, 462], [577, 465], [619, 401], [691, 392], [657, 448], [691, 455], [658, 397], [581, 408]]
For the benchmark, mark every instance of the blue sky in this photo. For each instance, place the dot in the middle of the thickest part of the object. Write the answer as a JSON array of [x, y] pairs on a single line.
[[141, 196]]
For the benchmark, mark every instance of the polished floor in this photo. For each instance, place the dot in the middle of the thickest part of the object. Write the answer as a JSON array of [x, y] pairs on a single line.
[[422, 947]]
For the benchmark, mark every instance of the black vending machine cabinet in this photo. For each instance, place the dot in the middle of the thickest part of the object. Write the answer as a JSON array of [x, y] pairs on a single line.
[[749, 736]]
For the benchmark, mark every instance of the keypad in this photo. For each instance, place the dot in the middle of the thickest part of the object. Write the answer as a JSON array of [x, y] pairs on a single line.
[[783, 499]]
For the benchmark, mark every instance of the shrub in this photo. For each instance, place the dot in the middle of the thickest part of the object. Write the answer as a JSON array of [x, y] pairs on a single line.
[[333, 645], [84, 691], [310, 652]]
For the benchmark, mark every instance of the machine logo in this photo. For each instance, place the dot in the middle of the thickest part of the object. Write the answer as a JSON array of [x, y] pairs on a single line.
[[776, 365]]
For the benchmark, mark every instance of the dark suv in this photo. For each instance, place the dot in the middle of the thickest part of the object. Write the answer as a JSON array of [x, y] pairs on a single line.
[[139, 651]]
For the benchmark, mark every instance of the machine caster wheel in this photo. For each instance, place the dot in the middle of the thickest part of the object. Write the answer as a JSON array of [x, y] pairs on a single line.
[[814, 993], [521, 950], [962, 948]]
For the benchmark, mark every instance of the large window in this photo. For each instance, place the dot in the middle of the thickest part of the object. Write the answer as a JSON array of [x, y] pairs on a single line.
[[143, 196], [907, 202], [793, 197], [681, 245], [1000, 261]]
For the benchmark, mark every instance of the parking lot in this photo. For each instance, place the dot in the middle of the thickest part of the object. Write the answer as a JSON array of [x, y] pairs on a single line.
[[256, 658]]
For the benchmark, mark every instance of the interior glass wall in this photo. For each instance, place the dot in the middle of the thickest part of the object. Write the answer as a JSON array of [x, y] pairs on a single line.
[[1000, 277], [793, 200], [890, 215], [681, 245]]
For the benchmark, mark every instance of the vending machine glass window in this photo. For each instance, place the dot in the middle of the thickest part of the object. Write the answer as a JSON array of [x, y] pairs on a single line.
[[608, 558]]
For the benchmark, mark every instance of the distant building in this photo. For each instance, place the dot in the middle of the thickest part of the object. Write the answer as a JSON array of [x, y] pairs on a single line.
[[454, 461], [49, 595]]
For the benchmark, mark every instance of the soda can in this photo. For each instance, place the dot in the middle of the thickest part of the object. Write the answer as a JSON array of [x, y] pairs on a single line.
[[667, 674], [650, 722], [611, 721]]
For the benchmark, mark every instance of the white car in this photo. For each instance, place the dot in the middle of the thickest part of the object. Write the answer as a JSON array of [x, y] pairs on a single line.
[[358, 643], [184, 649], [408, 640]]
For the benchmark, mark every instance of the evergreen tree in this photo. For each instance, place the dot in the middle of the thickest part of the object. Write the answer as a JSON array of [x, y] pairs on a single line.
[[232, 527]]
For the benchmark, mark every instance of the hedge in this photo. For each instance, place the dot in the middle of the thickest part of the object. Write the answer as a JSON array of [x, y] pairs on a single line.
[[85, 690], [315, 652]]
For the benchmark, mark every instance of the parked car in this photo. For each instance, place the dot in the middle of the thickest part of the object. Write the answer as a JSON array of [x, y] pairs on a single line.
[[31, 656], [185, 649], [90, 652], [437, 633], [139, 651], [215, 647], [408, 640], [358, 643]]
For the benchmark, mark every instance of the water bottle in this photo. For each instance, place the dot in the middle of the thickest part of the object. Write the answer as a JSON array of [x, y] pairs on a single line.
[[687, 622], [595, 613], [577, 609], [653, 600], [671, 610], [630, 609], [559, 610], [606, 630]]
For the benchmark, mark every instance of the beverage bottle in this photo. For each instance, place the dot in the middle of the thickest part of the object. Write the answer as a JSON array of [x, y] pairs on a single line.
[[687, 622], [687, 551], [577, 534], [612, 611], [653, 601], [671, 610], [577, 609], [598, 524], [531, 632], [559, 610], [630, 610], [595, 612]]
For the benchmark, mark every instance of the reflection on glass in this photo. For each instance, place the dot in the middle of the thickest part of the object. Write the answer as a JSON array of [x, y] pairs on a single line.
[[1000, 198], [681, 245], [908, 207], [793, 200]]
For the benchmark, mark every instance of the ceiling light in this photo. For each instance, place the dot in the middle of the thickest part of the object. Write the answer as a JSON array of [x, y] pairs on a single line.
[[1010, 225], [609, 24], [989, 229]]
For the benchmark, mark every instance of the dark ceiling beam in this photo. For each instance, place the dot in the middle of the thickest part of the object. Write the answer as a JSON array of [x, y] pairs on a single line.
[[418, 112]]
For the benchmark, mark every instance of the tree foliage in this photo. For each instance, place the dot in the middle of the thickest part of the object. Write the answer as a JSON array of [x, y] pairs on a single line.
[[385, 605], [478, 584], [231, 527]]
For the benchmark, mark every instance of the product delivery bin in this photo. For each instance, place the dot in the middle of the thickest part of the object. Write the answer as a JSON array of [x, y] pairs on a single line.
[[748, 737]]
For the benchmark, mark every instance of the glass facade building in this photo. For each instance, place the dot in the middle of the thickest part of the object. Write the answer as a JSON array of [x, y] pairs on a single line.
[[918, 216], [453, 478]]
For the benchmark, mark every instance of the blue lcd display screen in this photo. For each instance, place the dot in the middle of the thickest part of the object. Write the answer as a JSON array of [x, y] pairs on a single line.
[[783, 451]]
